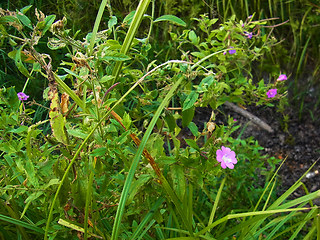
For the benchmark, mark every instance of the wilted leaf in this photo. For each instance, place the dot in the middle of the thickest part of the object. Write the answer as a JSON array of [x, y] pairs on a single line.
[[57, 120]]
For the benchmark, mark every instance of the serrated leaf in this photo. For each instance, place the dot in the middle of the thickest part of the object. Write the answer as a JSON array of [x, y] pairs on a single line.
[[171, 18], [190, 100]]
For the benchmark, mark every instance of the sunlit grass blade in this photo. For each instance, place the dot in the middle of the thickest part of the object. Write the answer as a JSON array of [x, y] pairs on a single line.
[[135, 161], [96, 26], [137, 18], [146, 219], [21, 223], [216, 201]]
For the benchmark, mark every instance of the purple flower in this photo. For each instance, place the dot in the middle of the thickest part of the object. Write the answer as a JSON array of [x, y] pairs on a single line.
[[226, 157], [22, 96], [282, 77], [272, 93], [250, 17], [232, 51], [248, 34]]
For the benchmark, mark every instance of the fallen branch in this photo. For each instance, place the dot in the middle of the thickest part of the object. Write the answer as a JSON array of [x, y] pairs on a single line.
[[250, 116]]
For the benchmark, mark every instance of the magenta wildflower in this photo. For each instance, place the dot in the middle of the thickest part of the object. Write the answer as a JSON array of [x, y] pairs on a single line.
[[22, 96], [282, 77], [226, 157], [272, 93]]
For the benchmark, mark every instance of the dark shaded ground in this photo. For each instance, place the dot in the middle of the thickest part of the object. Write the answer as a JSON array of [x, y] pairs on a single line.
[[300, 143]]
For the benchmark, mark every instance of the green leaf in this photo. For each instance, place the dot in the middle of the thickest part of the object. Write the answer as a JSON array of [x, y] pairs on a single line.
[[76, 132], [129, 17], [20, 65], [21, 223], [205, 84], [136, 185], [99, 152], [172, 19], [48, 22], [194, 129], [190, 100], [24, 20], [170, 121], [198, 54], [192, 144], [178, 180], [25, 9], [114, 55], [187, 116], [19, 129], [193, 37], [112, 21]]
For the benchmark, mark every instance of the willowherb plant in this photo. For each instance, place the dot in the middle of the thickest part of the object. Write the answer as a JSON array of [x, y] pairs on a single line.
[[115, 166]]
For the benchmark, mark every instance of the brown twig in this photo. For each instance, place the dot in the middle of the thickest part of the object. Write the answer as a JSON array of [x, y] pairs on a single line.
[[250, 116]]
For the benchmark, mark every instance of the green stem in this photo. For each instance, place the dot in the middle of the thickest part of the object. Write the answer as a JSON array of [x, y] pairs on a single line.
[[137, 18], [134, 165], [96, 26]]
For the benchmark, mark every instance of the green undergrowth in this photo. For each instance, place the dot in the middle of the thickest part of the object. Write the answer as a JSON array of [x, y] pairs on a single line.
[[103, 154]]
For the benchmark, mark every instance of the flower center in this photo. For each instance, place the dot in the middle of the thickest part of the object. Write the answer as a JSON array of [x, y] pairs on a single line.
[[226, 159]]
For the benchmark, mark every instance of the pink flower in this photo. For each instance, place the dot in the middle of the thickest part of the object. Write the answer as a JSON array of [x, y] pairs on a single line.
[[226, 157], [22, 96], [282, 77], [272, 93]]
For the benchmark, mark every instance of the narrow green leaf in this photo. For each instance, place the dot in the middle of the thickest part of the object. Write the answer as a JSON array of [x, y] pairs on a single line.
[[21, 223], [19, 63], [24, 20], [48, 22], [171, 18], [25, 9]]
